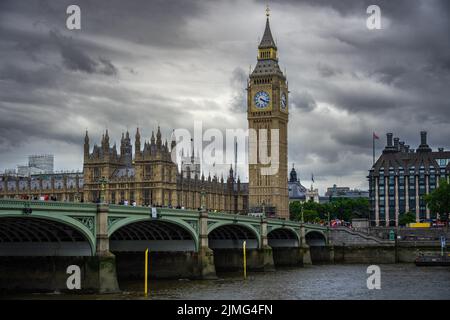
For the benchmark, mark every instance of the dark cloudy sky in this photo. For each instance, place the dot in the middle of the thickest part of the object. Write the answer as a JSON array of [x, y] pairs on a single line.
[[144, 63]]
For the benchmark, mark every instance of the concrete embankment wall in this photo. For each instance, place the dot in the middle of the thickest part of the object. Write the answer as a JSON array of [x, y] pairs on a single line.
[[44, 274], [381, 254], [320, 254], [233, 259], [287, 257], [161, 265], [358, 247]]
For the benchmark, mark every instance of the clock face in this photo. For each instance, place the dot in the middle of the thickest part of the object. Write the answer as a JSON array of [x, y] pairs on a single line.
[[283, 101], [261, 99]]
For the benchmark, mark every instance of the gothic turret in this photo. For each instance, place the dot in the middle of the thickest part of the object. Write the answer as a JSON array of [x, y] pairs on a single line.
[[152, 139], [293, 175], [173, 144], [137, 144], [86, 146], [158, 138]]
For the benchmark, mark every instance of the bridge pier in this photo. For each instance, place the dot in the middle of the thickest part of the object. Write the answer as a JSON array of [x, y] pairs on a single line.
[[305, 251], [265, 252], [205, 268], [107, 274]]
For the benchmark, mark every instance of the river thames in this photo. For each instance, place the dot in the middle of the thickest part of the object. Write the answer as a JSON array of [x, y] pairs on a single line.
[[319, 282]]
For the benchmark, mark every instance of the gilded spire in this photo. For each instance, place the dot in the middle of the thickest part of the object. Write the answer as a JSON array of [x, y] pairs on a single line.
[[267, 39]]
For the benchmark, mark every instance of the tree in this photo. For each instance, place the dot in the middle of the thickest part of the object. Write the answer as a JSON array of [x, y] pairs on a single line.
[[341, 208], [439, 200], [347, 209], [311, 216], [295, 211], [406, 218]]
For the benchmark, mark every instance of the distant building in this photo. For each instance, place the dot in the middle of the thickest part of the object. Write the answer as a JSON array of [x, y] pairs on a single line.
[[66, 186], [297, 192], [401, 177], [191, 165], [345, 192], [150, 177], [26, 171], [37, 164], [42, 162]]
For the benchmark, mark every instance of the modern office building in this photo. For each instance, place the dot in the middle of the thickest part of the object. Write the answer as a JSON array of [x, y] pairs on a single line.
[[37, 164], [43, 162], [401, 177], [335, 192]]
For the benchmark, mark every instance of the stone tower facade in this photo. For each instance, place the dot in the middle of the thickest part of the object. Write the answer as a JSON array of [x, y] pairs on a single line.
[[267, 111]]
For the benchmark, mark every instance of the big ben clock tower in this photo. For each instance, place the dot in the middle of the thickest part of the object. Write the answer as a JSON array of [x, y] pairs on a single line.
[[267, 110]]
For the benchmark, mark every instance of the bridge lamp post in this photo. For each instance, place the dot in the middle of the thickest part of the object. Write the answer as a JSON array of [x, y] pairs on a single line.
[[302, 228], [328, 228]]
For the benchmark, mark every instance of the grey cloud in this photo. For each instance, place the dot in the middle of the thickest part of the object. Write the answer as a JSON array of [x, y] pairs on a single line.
[[238, 82], [345, 81], [76, 60], [303, 100], [327, 71]]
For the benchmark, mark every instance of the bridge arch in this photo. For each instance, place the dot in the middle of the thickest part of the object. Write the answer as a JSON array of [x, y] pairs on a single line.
[[41, 235], [137, 234], [315, 238], [226, 235], [283, 237]]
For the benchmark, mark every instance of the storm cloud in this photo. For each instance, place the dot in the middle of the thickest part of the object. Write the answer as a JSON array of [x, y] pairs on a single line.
[[168, 63]]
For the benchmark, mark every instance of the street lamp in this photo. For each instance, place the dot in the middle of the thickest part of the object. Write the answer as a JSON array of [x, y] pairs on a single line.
[[303, 219]]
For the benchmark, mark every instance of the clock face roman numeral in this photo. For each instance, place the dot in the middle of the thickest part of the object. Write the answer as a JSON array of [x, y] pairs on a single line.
[[261, 99], [283, 101]]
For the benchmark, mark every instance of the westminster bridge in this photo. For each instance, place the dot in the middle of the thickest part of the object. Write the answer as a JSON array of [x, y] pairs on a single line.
[[39, 239]]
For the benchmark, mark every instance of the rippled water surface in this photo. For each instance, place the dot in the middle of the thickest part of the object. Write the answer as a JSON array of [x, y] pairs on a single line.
[[400, 281]]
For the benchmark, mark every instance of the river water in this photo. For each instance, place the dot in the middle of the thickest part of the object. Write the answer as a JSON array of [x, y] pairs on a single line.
[[319, 282]]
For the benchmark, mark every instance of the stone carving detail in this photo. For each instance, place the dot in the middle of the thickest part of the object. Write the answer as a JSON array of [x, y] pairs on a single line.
[[87, 221], [112, 220], [193, 224]]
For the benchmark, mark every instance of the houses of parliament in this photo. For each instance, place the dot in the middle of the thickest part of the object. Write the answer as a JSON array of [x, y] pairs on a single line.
[[149, 177]]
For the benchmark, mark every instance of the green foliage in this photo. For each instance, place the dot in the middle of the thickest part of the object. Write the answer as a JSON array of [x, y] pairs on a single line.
[[341, 208], [311, 216], [295, 211], [439, 200], [406, 218]]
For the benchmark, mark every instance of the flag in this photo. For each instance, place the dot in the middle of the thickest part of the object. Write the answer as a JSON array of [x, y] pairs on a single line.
[[312, 177], [375, 136]]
